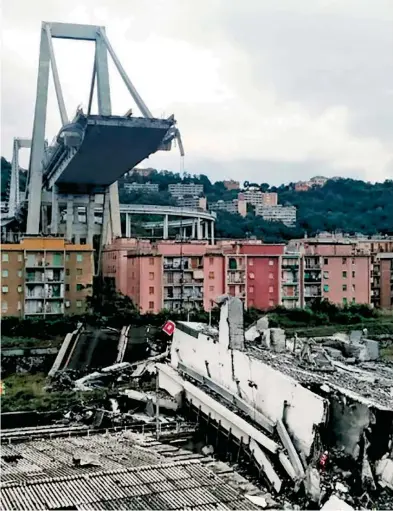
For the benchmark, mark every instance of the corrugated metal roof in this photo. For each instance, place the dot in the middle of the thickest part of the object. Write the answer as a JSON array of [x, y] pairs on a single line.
[[40, 474], [149, 487]]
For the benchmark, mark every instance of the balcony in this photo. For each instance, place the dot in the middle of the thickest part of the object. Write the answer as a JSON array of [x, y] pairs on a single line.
[[311, 278], [290, 283], [290, 264]]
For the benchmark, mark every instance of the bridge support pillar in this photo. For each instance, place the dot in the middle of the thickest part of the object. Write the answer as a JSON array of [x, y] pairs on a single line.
[[38, 141], [206, 230], [55, 211], [128, 225], [166, 227], [212, 232], [199, 229], [69, 218], [193, 229], [90, 219]]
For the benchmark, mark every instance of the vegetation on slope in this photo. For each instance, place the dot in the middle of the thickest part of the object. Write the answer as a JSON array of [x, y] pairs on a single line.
[[346, 205]]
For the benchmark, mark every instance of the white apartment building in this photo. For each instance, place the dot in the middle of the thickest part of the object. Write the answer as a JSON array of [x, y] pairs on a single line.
[[258, 198], [279, 213], [141, 187], [235, 206], [193, 202], [179, 190]]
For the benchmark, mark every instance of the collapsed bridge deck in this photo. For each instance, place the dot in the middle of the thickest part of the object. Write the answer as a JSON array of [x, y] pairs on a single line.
[[95, 150]]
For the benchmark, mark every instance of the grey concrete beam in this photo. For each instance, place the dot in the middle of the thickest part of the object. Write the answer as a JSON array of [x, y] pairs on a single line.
[[73, 31]]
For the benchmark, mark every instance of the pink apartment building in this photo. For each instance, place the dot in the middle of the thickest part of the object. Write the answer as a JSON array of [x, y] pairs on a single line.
[[339, 272], [172, 275], [179, 275]]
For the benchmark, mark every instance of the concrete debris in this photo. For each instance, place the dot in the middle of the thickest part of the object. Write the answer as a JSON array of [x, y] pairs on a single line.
[[207, 450], [336, 504], [312, 484], [86, 459], [277, 339], [341, 487], [384, 472], [258, 500]]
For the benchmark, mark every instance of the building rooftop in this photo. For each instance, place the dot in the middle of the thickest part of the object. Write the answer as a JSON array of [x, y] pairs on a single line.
[[122, 470]]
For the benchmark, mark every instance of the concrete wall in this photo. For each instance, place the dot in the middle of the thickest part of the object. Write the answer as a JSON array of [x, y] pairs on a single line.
[[214, 360]]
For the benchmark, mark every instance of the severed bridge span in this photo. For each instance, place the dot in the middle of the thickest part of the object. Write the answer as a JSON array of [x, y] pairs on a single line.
[[80, 168]]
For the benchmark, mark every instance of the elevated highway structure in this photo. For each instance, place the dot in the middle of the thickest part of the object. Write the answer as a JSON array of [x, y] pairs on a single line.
[[89, 153]]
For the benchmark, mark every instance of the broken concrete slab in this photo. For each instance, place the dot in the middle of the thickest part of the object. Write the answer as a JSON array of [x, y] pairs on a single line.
[[312, 484], [277, 336], [384, 472], [336, 504], [292, 452]]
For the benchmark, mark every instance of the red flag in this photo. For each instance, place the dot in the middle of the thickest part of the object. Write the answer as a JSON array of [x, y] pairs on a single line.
[[169, 327]]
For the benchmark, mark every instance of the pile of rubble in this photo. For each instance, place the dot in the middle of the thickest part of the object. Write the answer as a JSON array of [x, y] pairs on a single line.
[[358, 436]]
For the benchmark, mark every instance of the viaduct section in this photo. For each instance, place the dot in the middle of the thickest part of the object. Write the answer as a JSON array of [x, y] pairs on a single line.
[[80, 168]]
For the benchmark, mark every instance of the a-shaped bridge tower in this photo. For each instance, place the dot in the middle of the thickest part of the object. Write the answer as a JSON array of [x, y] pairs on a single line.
[[81, 167]]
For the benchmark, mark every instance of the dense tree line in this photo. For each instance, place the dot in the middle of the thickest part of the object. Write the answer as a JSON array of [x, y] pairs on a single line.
[[345, 205]]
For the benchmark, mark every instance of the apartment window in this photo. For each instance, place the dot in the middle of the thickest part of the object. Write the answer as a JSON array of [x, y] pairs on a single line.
[[271, 262], [326, 288], [211, 261], [4, 306], [67, 257], [344, 287], [326, 260], [5, 289], [211, 288], [20, 289], [271, 276], [353, 300], [151, 305], [251, 303], [79, 303], [67, 271], [353, 261], [271, 303], [325, 274], [251, 289], [151, 275], [344, 274], [344, 260], [251, 262], [20, 274], [4, 273], [19, 306], [79, 287], [79, 258], [79, 271], [211, 275], [151, 290], [271, 289], [353, 287], [67, 287], [20, 258], [353, 274], [151, 261], [345, 301], [251, 275], [4, 257]]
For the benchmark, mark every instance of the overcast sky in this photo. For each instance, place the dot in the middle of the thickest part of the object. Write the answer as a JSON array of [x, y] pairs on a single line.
[[264, 90]]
